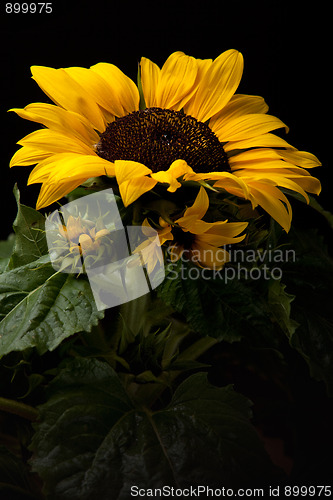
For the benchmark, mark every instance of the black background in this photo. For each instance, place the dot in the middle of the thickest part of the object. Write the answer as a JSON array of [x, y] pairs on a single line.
[[286, 47]]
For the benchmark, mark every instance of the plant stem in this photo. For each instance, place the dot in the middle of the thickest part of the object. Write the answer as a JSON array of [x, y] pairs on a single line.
[[20, 409], [146, 395]]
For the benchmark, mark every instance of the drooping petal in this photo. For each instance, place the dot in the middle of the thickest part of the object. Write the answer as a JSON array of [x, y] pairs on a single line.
[[176, 170], [301, 158], [133, 180], [222, 233], [131, 190], [273, 201], [271, 166], [209, 256], [193, 225], [197, 210], [127, 169], [229, 182], [308, 183], [164, 233]]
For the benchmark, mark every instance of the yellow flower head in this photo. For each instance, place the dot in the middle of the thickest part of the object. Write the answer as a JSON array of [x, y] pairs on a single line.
[[185, 124], [199, 241]]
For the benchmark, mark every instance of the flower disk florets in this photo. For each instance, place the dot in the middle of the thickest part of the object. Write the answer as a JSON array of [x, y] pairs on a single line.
[[156, 137]]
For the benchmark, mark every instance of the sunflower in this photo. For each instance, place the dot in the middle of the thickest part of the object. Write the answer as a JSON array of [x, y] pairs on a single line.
[[78, 238], [191, 238], [182, 122]]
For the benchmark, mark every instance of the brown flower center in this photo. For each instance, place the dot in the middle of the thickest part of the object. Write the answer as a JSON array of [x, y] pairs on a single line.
[[156, 137]]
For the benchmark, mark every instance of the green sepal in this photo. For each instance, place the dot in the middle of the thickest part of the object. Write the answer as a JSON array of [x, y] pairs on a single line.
[[142, 103]]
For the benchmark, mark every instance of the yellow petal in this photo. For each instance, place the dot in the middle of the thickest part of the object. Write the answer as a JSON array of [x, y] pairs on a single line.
[[83, 167], [176, 81], [298, 183], [258, 141], [175, 252], [218, 84], [239, 104], [65, 167], [64, 172], [263, 164], [28, 156], [50, 193], [150, 74], [164, 234], [132, 189], [171, 86], [282, 181], [126, 170], [301, 158], [209, 256], [229, 182], [308, 183], [224, 229], [86, 242], [246, 126], [59, 119], [193, 225], [273, 201], [176, 170], [263, 169], [67, 93], [122, 96], [55, 142], [166, 177], [132, 180], [96, 86], [197, 210], [255, 156]]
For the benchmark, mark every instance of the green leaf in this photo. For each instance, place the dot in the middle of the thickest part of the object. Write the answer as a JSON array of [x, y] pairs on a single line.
[[91, 440], [310, 279], [215, 306], [40, 307], [280, 305], [30, 242], [6, 249]]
